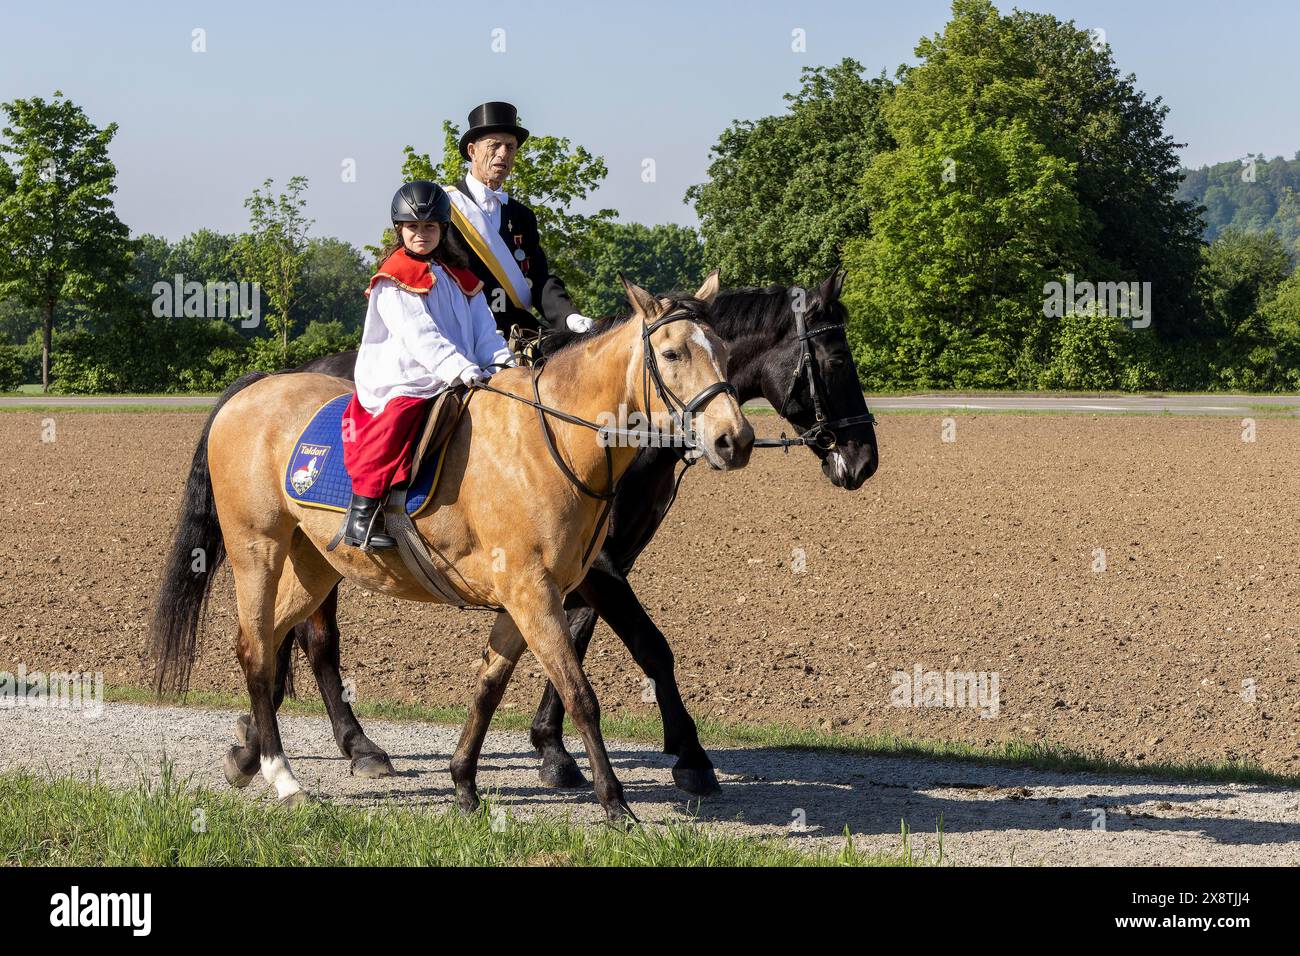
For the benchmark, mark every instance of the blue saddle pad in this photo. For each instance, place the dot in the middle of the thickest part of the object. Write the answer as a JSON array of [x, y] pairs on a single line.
[[316, 476]]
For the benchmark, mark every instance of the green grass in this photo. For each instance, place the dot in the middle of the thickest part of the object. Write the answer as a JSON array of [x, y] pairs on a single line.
[[714, 733], [63, 821]]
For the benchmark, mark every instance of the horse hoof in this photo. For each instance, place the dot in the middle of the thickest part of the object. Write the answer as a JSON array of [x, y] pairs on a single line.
[[701, 782], [296, 799], [234, 776], [242, 726], [373, 766], [562, 775], [620, 816], [467, 799]]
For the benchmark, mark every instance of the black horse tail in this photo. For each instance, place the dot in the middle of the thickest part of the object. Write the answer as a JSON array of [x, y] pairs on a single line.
[[197, 552]]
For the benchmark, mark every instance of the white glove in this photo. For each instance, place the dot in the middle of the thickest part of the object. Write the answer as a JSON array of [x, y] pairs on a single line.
[[577, 322], [473, 375]]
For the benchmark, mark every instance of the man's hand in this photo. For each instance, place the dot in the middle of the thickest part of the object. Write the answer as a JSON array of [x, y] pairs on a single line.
[[473, 375], [577, 322]]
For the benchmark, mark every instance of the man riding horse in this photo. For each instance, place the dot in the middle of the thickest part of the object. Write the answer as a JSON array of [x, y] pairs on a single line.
[[501, 232]]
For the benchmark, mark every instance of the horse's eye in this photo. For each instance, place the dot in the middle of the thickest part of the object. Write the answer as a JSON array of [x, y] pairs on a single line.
[[671, 355]]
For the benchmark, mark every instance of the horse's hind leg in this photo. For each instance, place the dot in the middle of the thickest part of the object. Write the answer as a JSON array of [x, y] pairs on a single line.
[[318, 636], [273, 594], [244, 727], [504, 647]]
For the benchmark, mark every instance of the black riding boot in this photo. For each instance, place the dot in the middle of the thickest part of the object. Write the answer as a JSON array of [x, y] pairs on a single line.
[[365, 527]]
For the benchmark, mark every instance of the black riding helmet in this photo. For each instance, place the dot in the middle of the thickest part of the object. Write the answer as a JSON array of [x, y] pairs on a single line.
[[421, 201]]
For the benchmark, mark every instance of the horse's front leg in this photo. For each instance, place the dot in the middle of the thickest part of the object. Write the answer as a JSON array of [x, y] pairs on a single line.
[[541, 619], [558, 768], [609, 594], [505, 644]]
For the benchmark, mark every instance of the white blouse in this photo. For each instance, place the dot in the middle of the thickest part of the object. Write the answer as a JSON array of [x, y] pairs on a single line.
[[419, 344]]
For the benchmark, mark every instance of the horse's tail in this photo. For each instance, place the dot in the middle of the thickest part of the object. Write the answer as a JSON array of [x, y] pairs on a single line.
[[197, 552]]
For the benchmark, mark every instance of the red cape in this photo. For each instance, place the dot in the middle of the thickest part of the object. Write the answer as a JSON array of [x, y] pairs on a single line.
[[413, 275]]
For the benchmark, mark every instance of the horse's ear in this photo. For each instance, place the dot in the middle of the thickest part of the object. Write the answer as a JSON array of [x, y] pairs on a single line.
[[640, 300], [709, 291], [830, 290]]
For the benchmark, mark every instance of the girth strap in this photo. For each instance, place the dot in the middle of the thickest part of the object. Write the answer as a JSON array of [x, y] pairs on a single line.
[[415, 555]]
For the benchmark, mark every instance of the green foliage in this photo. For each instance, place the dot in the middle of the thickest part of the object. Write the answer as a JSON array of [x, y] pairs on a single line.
[[334, 281], [969, 223], [317, 340], [1021, 156], [781, 199], [662, 258], [132, 351], [1253, 195], [64, 821], [60, 234], [12, 373], [1240, 270], [274, 252]]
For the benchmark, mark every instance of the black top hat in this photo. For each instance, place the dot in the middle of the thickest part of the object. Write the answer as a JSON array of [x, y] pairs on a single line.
[[492, 118]]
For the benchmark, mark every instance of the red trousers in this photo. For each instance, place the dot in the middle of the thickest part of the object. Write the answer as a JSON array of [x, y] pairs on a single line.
[[377, 448]]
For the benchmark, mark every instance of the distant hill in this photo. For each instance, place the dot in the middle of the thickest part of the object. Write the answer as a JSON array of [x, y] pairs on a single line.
[[1270, 202]]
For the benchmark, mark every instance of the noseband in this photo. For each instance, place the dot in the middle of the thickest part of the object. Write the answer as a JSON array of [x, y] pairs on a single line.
[[822, 434]]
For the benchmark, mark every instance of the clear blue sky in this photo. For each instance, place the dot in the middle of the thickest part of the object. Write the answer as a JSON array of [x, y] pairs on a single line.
[[288, 89]]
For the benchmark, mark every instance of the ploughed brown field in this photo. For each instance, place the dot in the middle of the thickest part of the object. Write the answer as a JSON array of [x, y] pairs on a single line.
[[976, 555]]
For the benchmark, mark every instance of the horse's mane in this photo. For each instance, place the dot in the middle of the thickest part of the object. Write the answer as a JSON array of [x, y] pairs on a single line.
[[561, 340]]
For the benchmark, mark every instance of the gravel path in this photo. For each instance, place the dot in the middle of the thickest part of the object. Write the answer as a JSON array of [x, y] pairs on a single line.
[[989, 815]]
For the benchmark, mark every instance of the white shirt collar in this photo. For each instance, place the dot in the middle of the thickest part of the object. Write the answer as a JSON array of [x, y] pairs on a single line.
[[480, 191]]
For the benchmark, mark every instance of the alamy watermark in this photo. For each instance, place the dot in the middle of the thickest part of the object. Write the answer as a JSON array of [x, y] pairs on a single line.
[[1130, 301], [950, 689], [208, 300], [67, 690], [634, 429]]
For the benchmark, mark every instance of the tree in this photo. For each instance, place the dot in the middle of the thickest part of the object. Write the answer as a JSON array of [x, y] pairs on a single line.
[[1252, 194], [782, 196], [1241, 270], [273, 252], [61, 235], [661, 258], [1022, 156], [334, 283], [549, 176], [969, 223]]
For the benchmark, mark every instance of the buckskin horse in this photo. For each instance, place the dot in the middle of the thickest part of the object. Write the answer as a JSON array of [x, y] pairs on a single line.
[[526, 437], [796, 358]]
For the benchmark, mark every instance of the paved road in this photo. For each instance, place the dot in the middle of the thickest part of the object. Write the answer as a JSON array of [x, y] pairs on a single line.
[[988, 815], [1222, 404]]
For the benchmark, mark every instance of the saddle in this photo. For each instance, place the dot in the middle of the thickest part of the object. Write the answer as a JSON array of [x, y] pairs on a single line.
[[317, 478], [438, 428]]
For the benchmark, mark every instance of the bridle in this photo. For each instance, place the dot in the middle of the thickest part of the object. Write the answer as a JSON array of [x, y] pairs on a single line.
[[681, 412], [822, 433]]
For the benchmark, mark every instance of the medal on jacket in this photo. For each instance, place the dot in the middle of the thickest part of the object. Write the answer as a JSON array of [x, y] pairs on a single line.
[[520, 256]]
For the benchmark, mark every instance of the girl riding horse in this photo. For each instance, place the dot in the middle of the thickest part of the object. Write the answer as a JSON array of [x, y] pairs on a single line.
[[427, 329]]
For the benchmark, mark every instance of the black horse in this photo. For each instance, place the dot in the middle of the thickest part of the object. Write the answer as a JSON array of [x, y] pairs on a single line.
[[787, 345]]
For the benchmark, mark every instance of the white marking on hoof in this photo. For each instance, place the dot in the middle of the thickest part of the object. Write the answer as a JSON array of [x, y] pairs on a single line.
[[277, 773]]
